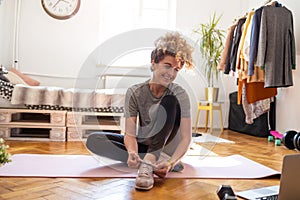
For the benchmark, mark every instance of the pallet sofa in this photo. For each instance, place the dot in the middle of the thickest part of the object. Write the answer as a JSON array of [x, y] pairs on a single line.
[[40, 113]]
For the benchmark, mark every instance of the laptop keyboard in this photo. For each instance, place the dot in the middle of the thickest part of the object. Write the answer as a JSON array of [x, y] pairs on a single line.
[[272, 197]]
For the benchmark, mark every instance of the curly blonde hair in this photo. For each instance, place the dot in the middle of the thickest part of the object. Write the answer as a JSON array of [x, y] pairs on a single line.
[[175, 45]]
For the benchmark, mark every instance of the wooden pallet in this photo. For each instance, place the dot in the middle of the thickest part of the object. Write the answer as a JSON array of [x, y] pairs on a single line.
[[81, 124], [93, 118], [81, 133], [49, 125], [32, 132], [32, 117]]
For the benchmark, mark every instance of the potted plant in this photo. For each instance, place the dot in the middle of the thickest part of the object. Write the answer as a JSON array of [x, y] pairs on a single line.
[[4, 155], [211, 47]]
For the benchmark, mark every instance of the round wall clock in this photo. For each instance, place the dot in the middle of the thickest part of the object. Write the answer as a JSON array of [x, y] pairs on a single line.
[[61, 9]]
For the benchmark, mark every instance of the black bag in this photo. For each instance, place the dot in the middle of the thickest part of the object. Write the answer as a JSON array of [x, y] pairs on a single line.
[[261, 126]]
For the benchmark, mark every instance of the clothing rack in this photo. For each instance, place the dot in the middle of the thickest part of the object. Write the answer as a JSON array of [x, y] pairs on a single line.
[[270, 1], [266, 2], [246, 14], [257, 84]]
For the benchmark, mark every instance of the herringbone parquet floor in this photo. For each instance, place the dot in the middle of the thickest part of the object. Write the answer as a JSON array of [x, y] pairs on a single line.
[[258, 149]]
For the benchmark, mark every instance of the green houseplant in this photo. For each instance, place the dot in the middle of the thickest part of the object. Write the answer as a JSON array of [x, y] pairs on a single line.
[[4, 155], [211, 47]]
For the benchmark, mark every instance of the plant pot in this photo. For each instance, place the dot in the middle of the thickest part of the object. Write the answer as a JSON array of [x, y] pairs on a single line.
[[211, 94]]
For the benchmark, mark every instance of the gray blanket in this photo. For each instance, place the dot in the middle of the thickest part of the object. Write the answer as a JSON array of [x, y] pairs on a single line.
[[78, 98]]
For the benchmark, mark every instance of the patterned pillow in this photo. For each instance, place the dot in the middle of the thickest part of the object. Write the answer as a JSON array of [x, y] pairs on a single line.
[[3, 78], [6, 90]]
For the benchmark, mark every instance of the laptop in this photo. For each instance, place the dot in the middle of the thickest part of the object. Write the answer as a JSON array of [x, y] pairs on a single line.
[[289, 188]]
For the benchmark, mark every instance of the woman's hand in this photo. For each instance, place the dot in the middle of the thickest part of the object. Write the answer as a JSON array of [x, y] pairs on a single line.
[[133, 160], [162, 169]]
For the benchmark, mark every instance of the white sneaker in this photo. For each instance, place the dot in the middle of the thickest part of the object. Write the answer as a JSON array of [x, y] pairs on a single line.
[[144, 180]]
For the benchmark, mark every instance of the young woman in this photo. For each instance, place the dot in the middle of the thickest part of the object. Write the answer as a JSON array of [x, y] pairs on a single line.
[[162, 110]]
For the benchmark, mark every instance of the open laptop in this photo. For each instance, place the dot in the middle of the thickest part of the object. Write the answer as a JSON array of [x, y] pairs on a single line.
[[289, 188]]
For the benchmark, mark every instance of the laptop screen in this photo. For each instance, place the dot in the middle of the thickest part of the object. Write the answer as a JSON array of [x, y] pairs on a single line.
[[290, 178], [289, 182]]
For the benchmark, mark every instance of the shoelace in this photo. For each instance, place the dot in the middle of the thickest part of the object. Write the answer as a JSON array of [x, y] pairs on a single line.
[[145, 170]]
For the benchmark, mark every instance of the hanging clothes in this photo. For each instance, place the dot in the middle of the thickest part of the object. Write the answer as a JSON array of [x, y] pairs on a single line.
[[230, 65], [255, 90], [263, 53], [244, 56], [255, 29], [254, 97], [256, 109], [226, 51], [276, 48], [247, 24]]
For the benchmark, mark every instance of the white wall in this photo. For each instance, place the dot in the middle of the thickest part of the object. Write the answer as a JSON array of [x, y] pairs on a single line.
[[55, 48], [6, 27], [59, 48]]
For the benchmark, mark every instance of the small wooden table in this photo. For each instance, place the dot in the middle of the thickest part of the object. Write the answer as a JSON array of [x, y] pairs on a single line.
[[209, 106]]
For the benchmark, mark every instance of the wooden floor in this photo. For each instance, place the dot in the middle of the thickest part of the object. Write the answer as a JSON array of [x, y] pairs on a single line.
[[255, 148]]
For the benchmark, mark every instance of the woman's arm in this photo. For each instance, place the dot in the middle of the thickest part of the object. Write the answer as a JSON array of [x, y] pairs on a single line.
[[131, 143], [186, 138], [182, 148]]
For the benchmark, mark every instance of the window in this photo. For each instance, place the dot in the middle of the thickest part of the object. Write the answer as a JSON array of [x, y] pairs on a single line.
[[117, 16], [157, 13]]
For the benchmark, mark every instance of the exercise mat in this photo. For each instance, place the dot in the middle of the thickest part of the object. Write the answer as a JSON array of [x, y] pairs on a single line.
[[79, 166]]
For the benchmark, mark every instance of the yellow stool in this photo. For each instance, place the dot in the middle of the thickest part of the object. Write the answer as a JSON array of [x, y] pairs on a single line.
[[209, 107]]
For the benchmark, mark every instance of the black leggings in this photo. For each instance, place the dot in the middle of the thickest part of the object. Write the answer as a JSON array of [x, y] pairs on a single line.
[[111, 145]]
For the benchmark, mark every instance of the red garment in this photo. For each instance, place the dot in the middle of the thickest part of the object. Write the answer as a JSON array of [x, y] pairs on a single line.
[[255, 91]]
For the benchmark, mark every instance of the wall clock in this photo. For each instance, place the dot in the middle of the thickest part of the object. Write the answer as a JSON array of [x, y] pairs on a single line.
[[61, 9]]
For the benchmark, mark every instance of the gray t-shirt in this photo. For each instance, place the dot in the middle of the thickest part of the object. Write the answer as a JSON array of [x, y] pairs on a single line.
[[139, 102]]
